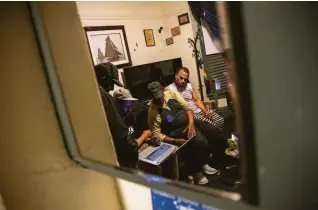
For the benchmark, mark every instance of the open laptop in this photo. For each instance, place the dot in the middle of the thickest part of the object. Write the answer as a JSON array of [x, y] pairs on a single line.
[[156, 155]]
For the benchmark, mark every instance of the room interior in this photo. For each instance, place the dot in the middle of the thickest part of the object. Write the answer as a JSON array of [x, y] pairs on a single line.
[[36, 170], [167, 52]]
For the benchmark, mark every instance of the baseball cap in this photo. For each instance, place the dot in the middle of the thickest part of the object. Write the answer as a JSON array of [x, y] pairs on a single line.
[[156, 89], [122, 94], [107, 71]]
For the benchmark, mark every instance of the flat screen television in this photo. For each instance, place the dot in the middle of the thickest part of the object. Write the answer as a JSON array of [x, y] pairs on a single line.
[[137, 78]]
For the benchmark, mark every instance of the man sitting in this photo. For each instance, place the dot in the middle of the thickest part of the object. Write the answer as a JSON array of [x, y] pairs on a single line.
[[206, 119], [171, 120], [134, 114], [182, 86]]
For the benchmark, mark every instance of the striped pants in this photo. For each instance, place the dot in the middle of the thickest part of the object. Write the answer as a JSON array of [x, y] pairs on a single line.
[[215, 119]]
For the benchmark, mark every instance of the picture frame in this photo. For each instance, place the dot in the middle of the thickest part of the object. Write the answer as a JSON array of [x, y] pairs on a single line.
[[175, 31], [108, 44], [169, 41], [149, 38], [183, 19]]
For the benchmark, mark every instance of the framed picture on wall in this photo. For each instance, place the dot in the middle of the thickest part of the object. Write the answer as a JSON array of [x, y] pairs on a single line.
[[175, 31], [149, 37], [183, 19], [169, 41], [108, 44]]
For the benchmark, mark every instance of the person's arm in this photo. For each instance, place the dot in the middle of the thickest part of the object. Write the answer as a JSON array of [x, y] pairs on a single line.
[[181, 101], [145, 134], [154, 122], [199, 103], [190, 128]]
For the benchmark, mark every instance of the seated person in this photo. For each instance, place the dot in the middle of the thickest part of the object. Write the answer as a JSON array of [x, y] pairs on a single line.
[[182, 86], [202, 116], [171, 120], [125, 142], [134, 114]]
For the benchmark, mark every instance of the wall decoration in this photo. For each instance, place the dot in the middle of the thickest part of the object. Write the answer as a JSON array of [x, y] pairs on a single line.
[[108, 44], [149, 38], [175, 31], [183, 19], [169, 41]]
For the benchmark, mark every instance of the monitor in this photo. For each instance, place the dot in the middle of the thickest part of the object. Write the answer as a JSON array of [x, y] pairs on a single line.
[[137, 78]]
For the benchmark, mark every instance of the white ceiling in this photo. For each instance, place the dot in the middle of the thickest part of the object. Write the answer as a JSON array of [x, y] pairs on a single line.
[[126, 9]]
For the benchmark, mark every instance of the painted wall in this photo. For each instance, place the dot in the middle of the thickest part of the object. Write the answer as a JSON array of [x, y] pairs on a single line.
[[137, 16], [36, 172], [181, 47]]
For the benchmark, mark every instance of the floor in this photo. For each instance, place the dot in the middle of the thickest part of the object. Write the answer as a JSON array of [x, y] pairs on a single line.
[[226, 179]]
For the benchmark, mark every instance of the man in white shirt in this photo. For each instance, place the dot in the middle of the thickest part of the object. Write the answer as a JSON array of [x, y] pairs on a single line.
[[182, 86], [211, 123]]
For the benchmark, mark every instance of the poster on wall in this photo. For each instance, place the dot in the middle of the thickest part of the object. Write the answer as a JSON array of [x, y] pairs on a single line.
[[169, 41], [149, 37], [175, 31], [183, 19], [108, 44]]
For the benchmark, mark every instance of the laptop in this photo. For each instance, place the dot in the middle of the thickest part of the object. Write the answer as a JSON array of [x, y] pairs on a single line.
[[156, 155]]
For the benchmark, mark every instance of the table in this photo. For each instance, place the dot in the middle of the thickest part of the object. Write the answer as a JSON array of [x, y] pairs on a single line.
[[169, 168]]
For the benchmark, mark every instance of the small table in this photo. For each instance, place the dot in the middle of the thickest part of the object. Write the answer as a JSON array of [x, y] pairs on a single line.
[[168, 168]]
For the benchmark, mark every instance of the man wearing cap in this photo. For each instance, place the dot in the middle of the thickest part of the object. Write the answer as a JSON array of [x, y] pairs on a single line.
[[171, 120], [125, 143], [134, 114]]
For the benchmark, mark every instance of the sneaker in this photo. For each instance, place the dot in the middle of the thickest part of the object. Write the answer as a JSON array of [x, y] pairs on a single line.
[[209, 170], [200, 179]]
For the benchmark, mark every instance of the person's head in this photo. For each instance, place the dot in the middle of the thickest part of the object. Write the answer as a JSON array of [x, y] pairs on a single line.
[[124, 100], [107, 76], [157, 92], [182, 77]]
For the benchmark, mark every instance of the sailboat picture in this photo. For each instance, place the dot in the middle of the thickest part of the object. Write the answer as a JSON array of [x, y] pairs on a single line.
[[111, 51], [108, 44]]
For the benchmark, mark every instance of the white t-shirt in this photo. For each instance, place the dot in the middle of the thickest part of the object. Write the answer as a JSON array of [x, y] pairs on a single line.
[[187, 94]]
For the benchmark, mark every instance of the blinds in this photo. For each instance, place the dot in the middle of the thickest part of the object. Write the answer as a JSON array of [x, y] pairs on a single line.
[[215, 67]]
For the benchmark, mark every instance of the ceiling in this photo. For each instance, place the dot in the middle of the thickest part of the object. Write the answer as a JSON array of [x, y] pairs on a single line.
[[125, 9]]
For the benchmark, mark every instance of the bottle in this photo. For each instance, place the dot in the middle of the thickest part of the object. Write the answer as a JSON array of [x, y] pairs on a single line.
[[190, 180]]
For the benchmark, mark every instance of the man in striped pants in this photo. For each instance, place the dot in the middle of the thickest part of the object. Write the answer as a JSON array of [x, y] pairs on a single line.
[[210, 122]]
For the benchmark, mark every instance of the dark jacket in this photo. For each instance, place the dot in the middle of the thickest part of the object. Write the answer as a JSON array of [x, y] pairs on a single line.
[[124, 141], [137, 119]]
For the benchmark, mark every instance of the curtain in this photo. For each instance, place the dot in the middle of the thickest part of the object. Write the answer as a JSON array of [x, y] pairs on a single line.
[[206, 11]]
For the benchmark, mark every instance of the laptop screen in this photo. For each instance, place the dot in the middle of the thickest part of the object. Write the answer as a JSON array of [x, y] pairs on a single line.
[[158, 152]]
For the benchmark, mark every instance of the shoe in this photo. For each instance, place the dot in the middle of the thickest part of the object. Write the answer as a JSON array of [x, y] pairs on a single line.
[[200, 179], [209, 170]]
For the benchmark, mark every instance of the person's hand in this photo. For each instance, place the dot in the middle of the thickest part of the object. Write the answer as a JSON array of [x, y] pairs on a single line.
[[191, 131], [208, 113], [179, 141], [173, 140], [154, 141]]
